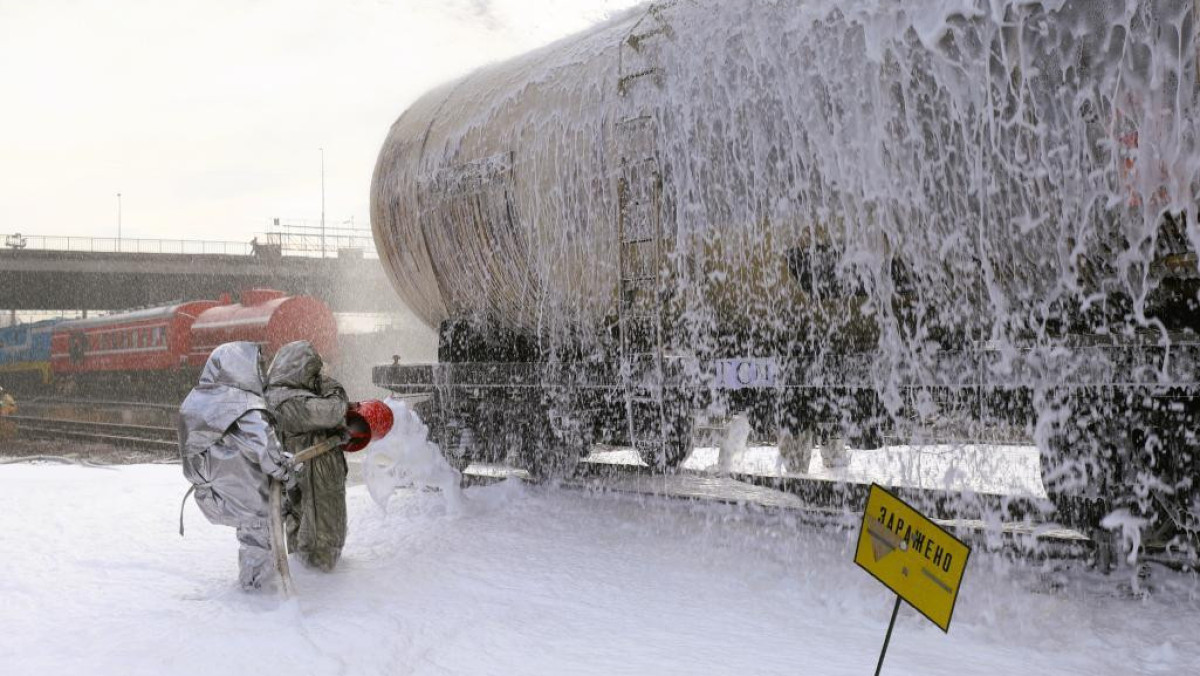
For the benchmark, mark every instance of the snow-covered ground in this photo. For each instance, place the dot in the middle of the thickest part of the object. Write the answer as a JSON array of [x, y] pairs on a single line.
[[528, 580], [983, 468]]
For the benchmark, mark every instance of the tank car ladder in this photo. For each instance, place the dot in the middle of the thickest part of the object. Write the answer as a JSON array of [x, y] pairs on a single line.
[[639, 228]]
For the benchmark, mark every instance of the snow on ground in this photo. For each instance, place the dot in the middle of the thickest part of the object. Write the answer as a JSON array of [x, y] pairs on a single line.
[[526, 580], [983, 468]]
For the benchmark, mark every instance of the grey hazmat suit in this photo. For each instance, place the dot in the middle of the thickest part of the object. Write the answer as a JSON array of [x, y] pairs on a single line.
[[230, 452], [308, 409]]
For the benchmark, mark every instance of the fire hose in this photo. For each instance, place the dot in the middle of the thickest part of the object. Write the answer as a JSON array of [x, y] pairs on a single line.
[[366, 421]]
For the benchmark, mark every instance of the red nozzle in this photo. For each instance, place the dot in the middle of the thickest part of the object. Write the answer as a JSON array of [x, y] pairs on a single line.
[[367, 421]]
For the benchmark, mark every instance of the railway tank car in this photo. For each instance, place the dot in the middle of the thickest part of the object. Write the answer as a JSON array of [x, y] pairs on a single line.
[[848, 220], [267, 317]]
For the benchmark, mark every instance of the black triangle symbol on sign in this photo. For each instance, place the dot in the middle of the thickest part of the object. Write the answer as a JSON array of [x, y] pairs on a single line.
[[883, 541]]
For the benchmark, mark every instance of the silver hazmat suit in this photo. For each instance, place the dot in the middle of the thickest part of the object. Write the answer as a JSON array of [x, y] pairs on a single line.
[[230, 452], [308, 409]]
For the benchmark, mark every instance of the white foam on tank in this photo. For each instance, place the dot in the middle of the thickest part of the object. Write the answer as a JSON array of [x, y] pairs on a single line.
[[963, 177], [406, 457]]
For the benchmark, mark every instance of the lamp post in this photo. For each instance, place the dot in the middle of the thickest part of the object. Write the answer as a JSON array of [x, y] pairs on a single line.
[[322, 202]]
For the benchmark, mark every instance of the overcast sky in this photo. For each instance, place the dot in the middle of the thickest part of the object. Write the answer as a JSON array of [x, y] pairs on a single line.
[[207, 115]]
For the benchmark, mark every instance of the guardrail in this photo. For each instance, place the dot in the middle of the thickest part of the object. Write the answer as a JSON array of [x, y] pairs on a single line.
[[17, 241], [270, 245]]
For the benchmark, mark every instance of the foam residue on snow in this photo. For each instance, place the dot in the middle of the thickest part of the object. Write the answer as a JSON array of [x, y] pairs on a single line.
[[1004, 469], [405, 457], [98, 581]]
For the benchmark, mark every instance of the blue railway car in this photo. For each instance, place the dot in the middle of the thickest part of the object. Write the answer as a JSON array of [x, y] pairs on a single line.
[[25, 355]]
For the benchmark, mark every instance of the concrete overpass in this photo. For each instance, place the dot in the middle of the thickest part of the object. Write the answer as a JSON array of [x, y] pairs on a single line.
[[111, 280]]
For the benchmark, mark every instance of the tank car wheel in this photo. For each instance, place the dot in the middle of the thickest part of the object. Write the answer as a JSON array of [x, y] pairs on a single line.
[[677, 443], [796, 449], [454, 434], [868, 438], [1169, 451], [1080, 458], [553, 449]]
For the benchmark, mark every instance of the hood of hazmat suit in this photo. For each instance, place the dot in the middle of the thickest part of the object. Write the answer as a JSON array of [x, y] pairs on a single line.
[[230, 452], [310, 408], [230, 385]]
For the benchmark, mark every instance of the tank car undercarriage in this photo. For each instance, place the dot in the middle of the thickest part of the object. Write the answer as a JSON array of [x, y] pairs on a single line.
[[1116, 430]]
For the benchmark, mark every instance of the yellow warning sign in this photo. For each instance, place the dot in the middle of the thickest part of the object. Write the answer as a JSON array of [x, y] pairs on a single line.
[[913, 556]]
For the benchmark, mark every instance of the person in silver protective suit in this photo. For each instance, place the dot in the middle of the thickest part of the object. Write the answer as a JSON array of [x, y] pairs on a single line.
[[230, 452], [310, 408]]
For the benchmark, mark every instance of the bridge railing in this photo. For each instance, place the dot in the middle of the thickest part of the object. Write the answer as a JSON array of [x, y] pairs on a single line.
[[17, 241]]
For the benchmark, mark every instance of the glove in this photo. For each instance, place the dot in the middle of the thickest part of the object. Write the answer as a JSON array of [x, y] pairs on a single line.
[[294, 470], [282, 469]]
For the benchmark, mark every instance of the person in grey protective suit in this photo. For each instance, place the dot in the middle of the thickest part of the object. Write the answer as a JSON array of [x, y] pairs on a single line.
[[310, 408], [230, 453]]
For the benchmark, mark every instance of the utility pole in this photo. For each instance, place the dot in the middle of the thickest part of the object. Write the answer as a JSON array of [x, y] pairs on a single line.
[[322, 202], [118, 221]]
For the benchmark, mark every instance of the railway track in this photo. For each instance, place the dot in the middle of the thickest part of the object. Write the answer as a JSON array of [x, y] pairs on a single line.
[[143, 437], [97, 403]]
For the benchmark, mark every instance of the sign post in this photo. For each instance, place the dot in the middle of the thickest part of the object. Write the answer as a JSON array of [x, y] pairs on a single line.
[[888, 636], [911, 555]]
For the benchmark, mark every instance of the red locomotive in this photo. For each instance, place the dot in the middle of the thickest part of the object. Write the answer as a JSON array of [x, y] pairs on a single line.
[[159, 351]]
